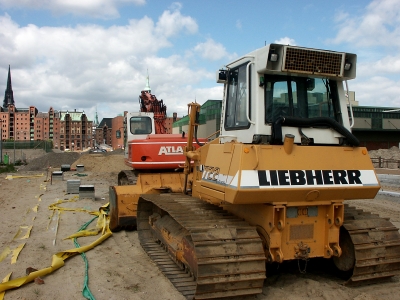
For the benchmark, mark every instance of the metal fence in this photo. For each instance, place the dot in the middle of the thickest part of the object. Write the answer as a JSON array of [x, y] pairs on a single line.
[[380, 162], [11, 145], [14, 152]]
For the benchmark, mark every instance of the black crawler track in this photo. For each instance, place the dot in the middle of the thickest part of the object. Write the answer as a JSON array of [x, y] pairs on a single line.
[[227, 254], [376, 243], [127, 177]]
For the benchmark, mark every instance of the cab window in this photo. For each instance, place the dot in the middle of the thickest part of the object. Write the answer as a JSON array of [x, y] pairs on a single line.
[[236, 99], [300, 97], [140, 125]]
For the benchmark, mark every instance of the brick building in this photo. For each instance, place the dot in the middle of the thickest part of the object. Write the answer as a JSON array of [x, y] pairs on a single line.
[[169, 121], [75, 131], [103, 132], [117, 132], [16, 123], [110, 131], [47, 126], [66, 130]]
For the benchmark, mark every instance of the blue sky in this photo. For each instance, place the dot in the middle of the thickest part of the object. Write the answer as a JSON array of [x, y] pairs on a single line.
[[88, 55]]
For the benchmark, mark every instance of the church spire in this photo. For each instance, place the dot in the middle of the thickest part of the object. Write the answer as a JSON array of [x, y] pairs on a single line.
[[147, 88], [8, 95], [96, 118]]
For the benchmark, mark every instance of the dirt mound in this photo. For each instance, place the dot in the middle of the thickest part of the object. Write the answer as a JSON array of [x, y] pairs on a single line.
[[99, 162], [392, 153], [51, 159]]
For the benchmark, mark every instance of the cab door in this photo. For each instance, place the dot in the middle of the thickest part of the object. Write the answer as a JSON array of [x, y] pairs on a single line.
[[237, 122]]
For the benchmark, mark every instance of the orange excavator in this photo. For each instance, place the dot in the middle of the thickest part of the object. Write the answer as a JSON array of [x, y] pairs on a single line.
[[148, 148], [147, 144]]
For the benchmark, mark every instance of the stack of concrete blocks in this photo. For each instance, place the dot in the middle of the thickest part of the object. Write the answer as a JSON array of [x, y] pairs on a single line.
[[86, 192], [73, 186], [65, 168], [57, 175]]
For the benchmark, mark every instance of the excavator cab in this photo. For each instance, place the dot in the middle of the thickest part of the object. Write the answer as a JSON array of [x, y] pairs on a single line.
[[138, 125], [141, 125]]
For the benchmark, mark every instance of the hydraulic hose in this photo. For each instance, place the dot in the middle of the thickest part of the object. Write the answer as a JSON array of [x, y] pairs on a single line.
[[311, 122]]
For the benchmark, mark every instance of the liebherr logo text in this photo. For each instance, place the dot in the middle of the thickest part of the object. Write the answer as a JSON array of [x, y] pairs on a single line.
[[170, 150], [308, 177]]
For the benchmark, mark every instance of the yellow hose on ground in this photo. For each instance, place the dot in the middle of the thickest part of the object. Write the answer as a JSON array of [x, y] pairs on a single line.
[[5, 280], [59, 258]]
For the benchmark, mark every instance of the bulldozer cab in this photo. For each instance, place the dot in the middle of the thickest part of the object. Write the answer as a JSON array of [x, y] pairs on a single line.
[[277, 83], [284, 114]]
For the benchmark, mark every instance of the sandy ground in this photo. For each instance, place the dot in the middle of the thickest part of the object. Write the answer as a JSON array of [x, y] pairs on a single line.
[[119, 268]]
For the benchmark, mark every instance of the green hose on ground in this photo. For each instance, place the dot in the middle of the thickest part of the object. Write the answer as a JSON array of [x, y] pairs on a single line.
[[86, 291]]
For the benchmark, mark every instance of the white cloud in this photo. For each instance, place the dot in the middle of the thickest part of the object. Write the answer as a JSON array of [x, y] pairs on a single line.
[[377, 27], [377, 91], [374, 35], [89, 65], [93, 8], [239, 24], [389, 65], [341, 16], [172, 22], [212, 50], [286, 41]]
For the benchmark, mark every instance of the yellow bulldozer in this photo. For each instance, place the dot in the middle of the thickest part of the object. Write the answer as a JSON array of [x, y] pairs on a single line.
[[270, 188]]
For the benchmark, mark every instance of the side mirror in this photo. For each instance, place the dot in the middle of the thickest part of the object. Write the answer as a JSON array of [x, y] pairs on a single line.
[[310, 84], [221, 76]]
